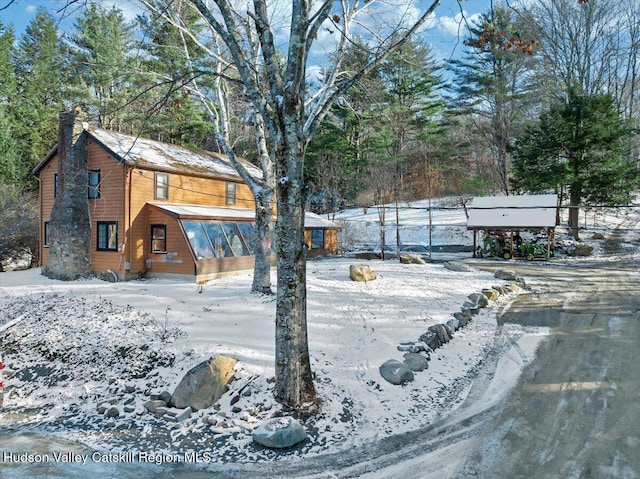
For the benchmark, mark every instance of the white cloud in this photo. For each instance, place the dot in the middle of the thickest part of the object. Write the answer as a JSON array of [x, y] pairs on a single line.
[[31, 9], [457, 24]]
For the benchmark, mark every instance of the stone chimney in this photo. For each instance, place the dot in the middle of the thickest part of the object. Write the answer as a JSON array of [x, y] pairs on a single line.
[[70, 224]]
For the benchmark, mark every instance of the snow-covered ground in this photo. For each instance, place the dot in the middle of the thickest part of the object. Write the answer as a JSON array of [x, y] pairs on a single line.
[[76, 345]]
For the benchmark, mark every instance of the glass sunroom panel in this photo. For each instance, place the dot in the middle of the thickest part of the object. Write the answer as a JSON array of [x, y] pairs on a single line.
[[198, 239], [235, 239], [248, 232], [218, 239]]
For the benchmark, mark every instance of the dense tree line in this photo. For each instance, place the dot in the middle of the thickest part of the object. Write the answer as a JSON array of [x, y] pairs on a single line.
[[400, 119]]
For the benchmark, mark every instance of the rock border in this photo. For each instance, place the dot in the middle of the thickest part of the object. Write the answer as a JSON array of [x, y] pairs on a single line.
[[440, 334]]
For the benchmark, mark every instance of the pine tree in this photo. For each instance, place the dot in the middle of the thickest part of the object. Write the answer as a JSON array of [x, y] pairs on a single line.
[[580, 146], [493, 82], [40, 66], [100, 52]]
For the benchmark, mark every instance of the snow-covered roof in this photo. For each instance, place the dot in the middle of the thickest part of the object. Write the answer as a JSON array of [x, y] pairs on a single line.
[[523, 211], [220, 212], [145, 153]]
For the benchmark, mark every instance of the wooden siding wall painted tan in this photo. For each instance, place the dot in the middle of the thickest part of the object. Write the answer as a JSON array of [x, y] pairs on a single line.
[[330, 243], [110, 206], [184, 189], [46, 176], [178, 258]]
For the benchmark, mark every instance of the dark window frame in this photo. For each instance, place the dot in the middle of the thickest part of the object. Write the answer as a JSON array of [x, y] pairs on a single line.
[[154, 238], [45, 235], [106, 247], [93, 190], [314, 239], [230, 193], [55, 185], [163, 188]]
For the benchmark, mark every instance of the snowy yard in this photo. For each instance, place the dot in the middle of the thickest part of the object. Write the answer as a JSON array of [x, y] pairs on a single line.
[[74, 346], [77, 345]]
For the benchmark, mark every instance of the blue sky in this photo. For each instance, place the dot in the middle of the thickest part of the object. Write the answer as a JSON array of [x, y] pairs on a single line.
[[444, 35]]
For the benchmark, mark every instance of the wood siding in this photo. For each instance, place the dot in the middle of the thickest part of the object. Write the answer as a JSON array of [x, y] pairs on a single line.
[[46, 177], [178, 258], [110, 206], [183, 189], [330, 243]]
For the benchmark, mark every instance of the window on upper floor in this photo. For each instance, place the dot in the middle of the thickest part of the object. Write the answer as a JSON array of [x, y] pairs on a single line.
[[55, 185], [230, 193], [94, 184], [162, 186], [107, 236]]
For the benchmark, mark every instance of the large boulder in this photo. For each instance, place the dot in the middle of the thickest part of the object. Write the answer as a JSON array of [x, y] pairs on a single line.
[[279, 433], [361, 272], [204, 384], [479, 300], [396, 372], [442, 333]]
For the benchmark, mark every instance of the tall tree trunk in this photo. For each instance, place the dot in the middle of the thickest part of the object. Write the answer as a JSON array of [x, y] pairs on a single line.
[[294, 383], [263, 242], [574, 203]]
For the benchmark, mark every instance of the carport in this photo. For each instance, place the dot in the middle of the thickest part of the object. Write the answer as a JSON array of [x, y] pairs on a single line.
[[506, 216]]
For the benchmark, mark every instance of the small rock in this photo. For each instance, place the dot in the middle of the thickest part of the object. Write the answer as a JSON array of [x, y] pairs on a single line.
[[416, 362], [129, 409], [396, 372], [453, 324], [154, 404], [129, 388], [597, 236], [113, 411], [165, 396], [507, 275], [478, 300], [491, 294], [441, 332], [411, 347], [279, 433], [102, 408]]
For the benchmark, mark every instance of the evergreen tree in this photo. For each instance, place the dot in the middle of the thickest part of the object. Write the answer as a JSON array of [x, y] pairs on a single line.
[[100, 52], [493, 83], [173, 62], [580, 146], [40, 65]]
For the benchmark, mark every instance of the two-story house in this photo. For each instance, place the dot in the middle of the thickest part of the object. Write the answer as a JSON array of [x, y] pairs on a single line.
[[156, 209]]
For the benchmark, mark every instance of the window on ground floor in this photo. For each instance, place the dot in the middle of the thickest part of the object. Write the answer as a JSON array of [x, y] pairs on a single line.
[[107, 236], [219, 239], [317, 239], [158, 238], [46, 234]]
